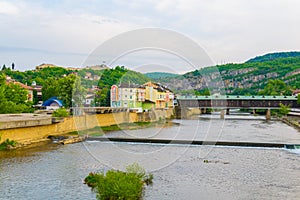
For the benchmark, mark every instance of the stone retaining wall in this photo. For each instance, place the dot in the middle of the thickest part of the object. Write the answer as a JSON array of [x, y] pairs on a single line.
[[30, 134]]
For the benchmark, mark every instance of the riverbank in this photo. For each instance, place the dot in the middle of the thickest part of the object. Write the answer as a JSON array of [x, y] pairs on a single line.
[[292, 121], [25, 135]]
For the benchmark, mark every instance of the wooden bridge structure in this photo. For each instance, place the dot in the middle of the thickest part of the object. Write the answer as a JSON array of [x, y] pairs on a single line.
[[227, 102]]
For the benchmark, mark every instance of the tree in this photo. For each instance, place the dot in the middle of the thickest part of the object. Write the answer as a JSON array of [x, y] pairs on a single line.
[[13, 98], [276, 87], [68, 89], [78, 93], [298, 99], [3, 67], [284, 110], [50, 88]]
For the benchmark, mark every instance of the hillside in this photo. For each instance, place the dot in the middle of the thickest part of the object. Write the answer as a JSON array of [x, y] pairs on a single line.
[[273, 56], [246, 78], [89, 76], [158, 76]]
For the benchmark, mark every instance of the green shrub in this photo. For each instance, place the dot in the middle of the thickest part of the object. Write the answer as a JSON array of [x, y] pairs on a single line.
[[116, 184], [7, 144], [61, 112]]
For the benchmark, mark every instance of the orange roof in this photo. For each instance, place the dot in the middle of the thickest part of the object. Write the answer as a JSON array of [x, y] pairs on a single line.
[[24, 86]]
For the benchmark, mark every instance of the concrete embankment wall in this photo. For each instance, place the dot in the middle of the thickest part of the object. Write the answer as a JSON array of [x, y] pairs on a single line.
[[37, 133]]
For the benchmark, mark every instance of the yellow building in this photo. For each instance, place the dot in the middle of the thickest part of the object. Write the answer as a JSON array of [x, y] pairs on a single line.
[[160, 96]]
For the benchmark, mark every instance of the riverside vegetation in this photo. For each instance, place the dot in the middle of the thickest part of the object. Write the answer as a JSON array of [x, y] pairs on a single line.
[[115, 184], [7, 144]]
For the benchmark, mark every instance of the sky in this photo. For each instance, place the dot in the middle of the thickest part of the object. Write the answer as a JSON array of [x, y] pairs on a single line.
[[67, 32]]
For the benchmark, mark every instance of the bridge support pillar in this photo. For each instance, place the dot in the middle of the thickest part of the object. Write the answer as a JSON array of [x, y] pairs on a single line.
[[222, 114], [268, 114], [227, 111]]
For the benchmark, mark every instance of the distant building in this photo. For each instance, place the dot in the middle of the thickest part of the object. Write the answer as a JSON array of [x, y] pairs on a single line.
[[42, 66], [89, 98], [296, 92], [160, 95], [147, 96], [26, 87], [38, 89], [127, 95]]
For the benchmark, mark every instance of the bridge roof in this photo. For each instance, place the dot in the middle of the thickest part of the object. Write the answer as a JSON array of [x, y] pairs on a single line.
[[234, 97]]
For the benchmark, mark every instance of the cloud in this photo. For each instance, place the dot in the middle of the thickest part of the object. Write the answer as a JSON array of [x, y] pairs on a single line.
[[52, 32], [230, 31], [7, 8]]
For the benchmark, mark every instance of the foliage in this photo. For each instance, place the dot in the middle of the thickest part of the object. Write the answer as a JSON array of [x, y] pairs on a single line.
[[119, 185], [13, 98], [39, 76], [298, 99], [158, 76], [239, 79], [272, 56], [117, 75], [276, 87], [140, 172], [284, 110], [61, 112], [50, 88], [68, 89], [7, 144]]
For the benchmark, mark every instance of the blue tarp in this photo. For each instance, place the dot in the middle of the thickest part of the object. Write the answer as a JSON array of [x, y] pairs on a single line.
[[53, 100]]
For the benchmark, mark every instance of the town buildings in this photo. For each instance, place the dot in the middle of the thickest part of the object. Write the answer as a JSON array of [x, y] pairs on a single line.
[[26, 87], [142, 97]]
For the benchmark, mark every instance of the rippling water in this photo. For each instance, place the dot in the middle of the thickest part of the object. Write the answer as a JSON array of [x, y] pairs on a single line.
[[57, 172]]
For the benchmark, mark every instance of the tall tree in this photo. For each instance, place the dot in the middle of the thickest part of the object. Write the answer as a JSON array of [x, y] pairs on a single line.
[[13, 98], [276, 87], [50, 88]]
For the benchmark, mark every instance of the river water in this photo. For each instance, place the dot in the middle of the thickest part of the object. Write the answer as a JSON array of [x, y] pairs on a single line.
[[50, 171]]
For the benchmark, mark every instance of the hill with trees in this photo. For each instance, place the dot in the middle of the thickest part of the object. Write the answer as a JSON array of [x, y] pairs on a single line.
[[158, 76], [271, 74], [64, 83], [238, 79], [273, 56]]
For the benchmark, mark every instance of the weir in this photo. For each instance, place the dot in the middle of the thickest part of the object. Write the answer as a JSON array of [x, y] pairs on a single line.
[[193, 142]]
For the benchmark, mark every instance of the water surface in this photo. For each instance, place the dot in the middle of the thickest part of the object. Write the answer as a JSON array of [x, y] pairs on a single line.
[[57, 172]]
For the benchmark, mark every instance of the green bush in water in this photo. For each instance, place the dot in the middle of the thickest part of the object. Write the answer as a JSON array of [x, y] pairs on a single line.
[[116, 184]]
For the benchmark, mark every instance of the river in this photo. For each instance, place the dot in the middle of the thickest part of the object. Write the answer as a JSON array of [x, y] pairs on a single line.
[[50, 171]]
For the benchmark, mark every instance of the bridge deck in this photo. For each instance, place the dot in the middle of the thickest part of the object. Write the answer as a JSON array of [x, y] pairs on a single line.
[[236, 97], [229, 101]]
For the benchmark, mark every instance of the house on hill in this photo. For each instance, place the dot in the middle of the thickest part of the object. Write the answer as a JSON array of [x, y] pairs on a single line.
[[42, 66], [296, 92], [29, 89]]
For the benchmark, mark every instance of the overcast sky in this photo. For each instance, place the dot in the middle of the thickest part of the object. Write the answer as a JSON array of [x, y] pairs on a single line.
[[65, 32]]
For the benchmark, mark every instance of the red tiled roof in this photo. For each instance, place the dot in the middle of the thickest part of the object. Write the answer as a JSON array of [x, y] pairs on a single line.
[[23, 86]]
